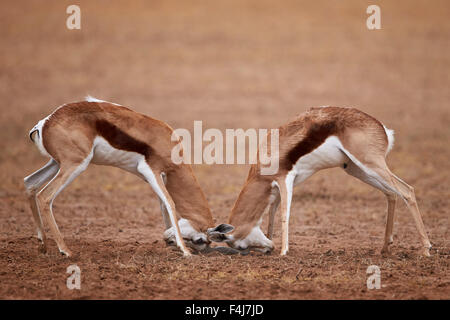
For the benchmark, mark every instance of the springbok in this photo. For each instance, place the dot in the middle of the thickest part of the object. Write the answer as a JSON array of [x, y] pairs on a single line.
[[99, 132], [323, 137]]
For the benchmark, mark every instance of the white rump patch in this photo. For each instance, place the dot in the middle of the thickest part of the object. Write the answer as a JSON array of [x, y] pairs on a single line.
[[390, 136], [38, 127]]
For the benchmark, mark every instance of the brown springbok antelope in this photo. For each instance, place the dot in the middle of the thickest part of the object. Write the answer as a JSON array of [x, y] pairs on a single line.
[[99, 132], [320, 138]]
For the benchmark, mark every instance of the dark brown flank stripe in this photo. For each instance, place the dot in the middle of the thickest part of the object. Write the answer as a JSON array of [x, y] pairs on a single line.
[[121, 140], [317, 133]]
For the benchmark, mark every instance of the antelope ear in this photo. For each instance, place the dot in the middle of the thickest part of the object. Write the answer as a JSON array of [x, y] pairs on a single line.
[[223, 228], [218, 234]]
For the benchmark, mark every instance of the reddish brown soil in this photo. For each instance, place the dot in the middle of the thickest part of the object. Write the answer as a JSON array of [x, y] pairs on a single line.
[[231, 65]]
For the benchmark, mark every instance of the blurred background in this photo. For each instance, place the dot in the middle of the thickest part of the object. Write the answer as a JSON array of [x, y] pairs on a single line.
[[232, 64]]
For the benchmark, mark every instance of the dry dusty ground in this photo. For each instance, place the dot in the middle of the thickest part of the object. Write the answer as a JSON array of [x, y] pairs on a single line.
[[235, 64]]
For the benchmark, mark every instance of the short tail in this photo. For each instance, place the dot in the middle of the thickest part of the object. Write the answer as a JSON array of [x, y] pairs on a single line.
[[33, 131], [37, 139]]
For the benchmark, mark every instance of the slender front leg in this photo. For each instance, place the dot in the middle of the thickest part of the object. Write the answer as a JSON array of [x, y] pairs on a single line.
[[164, 212], [285, 185], [388, 237], [157, 183]]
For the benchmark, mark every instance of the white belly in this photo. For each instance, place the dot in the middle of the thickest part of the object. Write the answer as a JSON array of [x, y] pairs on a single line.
[[105, 154], [327, 155]]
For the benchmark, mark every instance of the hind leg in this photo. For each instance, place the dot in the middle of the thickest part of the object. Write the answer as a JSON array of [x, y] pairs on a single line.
[[378, 175], [379, 178], [388, 236], [408, 195], [33, 183], [67, 173], [406, 192]]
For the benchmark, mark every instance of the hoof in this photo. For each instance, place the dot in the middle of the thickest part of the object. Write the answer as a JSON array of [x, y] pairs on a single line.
[[425, 252], [42, 248], [65, 253], [187, 254], [386, 251], [40, 236]]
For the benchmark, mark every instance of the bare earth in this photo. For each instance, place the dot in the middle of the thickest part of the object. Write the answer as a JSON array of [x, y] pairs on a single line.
[[233, 65]]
